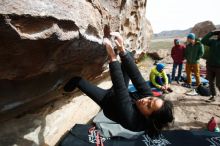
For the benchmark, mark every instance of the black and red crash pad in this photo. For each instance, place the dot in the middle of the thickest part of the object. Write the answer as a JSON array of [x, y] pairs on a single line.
[[85, 135]]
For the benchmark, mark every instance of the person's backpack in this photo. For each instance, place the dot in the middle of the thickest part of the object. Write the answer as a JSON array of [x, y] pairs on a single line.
[[203, 90]]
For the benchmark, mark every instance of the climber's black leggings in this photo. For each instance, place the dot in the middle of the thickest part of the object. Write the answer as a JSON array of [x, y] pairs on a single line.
[[97, 94], [129, 71]]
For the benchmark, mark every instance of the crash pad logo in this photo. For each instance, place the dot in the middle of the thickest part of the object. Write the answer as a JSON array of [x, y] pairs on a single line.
[[214, 141], [95, 137], [159, 141]]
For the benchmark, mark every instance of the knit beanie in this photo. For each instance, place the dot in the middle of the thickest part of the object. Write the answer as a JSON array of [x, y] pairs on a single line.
[[160, 67], [191, 36]]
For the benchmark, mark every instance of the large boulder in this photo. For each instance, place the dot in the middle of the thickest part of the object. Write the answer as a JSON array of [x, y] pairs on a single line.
[[202, 28], [45, 43], [159, 54]]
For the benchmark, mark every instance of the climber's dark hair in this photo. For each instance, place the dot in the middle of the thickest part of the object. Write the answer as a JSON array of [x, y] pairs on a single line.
[[161, 118]]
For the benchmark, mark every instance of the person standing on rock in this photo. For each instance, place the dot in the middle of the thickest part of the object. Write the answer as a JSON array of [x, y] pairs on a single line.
[[177, 53], [193, 52], [159, 78], [134, 111], [213, 61]]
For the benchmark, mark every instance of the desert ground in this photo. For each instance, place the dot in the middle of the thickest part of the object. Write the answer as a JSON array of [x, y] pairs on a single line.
[[191, 112]]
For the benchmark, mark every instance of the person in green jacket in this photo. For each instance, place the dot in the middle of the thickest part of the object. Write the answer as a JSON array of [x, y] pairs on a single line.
[[193, 52], [159, 78], [213, 61]]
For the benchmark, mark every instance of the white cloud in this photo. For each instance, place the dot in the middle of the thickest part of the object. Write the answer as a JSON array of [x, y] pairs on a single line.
[[176, 14]]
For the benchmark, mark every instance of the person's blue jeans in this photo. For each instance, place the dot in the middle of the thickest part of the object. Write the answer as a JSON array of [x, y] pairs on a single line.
[[180, 68]]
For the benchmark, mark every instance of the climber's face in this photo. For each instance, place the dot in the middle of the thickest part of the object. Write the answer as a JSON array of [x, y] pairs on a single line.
[[190, 41], [148, 105]]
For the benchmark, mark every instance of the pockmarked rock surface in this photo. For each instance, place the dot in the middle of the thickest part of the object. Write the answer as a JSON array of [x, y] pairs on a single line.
[[44, 43], [202, 28]]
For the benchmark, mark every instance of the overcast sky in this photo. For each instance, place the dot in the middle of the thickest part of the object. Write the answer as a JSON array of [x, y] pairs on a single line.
[[181, 14]]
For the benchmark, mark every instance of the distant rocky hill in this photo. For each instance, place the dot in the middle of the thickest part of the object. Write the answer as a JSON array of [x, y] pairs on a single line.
[[174, 33], [171, 34]]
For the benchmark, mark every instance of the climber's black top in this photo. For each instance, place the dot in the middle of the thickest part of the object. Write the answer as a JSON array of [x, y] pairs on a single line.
[[119, 105]]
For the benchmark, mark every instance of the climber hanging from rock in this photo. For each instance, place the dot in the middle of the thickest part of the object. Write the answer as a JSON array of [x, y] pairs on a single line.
[[137, 111]]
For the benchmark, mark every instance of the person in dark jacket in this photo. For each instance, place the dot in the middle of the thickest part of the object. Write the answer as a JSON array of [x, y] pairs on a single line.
[[193, 52], [137, 111], [177, 53], [213, 61]]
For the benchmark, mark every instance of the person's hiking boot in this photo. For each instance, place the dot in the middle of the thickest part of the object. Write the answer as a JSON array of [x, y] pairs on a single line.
[[211, 99], [192, 92], [169, 90]]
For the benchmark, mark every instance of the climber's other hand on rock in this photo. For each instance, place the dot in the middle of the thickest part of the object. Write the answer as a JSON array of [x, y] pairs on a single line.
[[118, 41]]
